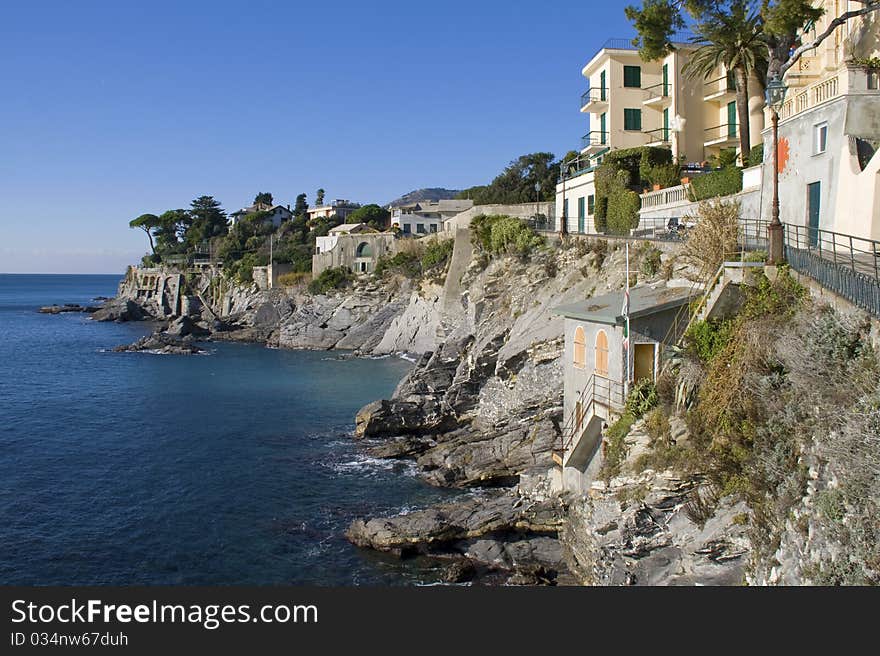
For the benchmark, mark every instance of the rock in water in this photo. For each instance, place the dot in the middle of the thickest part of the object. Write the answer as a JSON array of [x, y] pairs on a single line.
[[162, 344], [120, 310]]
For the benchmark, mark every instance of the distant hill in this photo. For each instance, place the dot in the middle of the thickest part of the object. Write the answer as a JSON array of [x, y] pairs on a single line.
[[433, 193]]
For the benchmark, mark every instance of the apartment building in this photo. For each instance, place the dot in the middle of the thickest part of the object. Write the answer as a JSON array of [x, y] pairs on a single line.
[[829, 131], [633, 103]]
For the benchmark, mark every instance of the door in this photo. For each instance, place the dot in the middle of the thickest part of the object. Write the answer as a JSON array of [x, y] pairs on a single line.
[[602, 86], [643, 362], [731, 120], [665, 79], [581, 215], [666, 124], [814, 193], [602, 129]]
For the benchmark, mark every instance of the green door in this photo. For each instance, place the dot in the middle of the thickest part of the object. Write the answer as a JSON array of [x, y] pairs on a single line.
[[731, 120], [581, 215], [602, 129], [666, 124], [814, 193], [602, 85], [665, 79]]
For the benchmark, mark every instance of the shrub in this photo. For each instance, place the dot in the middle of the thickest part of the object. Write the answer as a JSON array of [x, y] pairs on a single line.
[[642, 397], [715, 236], [437, 253], [650, 259], [406, 264], [504, 235], [705, 339], [756, 155], [294, 278], [615, 445], [623, 211], [665, 175], [657, 426], [725, 182], [330, 279]]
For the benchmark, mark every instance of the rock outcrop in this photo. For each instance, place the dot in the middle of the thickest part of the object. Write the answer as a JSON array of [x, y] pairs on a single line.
[[162, 344]]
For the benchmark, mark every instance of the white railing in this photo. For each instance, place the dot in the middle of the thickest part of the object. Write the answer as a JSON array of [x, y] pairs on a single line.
[[808, 97], [665, 196]]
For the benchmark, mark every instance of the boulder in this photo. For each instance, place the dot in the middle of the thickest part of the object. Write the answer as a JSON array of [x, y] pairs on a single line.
[[120, 310]]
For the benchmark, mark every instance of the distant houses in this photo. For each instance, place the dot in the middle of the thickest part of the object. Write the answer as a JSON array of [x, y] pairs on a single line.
[[277, 214], [340, 208], [426, 217]]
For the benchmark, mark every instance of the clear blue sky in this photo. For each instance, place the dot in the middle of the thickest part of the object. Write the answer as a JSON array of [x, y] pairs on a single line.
[[113, 109]]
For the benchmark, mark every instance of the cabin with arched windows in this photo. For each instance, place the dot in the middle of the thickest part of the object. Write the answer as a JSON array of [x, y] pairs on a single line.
[[598, 371]]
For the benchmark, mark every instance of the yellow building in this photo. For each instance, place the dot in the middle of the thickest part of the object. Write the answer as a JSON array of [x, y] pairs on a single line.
[[633, 103]]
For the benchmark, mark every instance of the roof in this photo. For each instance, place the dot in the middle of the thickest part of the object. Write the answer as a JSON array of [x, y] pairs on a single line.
[[346, 228], [643, 301]]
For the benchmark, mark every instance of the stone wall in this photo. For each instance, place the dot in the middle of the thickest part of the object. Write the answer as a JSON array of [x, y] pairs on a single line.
[[345, 252]]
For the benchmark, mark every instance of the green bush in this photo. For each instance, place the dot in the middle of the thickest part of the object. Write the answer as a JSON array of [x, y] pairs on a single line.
[[406, 264], [437, 253], [725, 182], [615, 450], [330, 279], [756, 155], [705, 339], [623, 211], [642, 397], [651, 259], [504, 235], [293, 278]]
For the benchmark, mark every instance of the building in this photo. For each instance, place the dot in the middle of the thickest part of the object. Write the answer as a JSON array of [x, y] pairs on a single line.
[[595, 366], [632, 103], [829, 130], [426, 217], [356, 247], [277, 214], [339, 208], [325, 244]]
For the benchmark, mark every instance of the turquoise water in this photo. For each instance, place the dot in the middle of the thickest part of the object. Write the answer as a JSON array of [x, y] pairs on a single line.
[[232, 468]]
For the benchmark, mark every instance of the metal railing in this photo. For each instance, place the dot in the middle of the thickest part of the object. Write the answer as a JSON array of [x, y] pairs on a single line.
[[598, 390], [593, 95], [723, 84], [724, 131], [658, 135], [660, 90], [594, 138]]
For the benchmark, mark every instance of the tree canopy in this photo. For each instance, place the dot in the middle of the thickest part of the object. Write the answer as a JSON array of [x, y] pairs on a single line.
[[263, 197], [516, 184], [372, 214]]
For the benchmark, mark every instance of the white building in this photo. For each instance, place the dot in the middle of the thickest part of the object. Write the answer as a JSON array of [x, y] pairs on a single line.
[[426, 217], [276, 214], [339, 208], [328, 243]]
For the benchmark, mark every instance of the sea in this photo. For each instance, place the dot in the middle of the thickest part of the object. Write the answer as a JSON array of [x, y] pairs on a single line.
[[234, 467]]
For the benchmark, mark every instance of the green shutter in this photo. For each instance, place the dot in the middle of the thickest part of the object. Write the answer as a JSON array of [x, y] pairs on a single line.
[[632, 119], [602, 129], [632, 76], [666, 124], [580, 208], [665, 79], [731, 120], [591, 204], [602, 85]]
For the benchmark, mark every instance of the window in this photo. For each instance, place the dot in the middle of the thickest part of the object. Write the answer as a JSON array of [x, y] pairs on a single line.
[[632, 119], [433, 227], [820, 138], [873, 80], [602, 353], [591, 204], [580, 348], [407, 228], [632, 76], [420, 228]]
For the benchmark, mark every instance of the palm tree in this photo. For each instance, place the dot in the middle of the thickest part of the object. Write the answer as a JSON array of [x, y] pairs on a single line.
[[734, 39]]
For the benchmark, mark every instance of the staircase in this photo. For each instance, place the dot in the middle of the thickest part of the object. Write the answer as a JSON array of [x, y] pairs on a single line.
[[600, 400]]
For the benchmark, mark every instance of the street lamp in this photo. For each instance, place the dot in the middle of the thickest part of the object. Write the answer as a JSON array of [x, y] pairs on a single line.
[[563, 223], [774, 96]]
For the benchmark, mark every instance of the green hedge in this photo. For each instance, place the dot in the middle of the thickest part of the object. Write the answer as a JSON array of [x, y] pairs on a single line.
[[725, 182], [330, 279], [756, 155]]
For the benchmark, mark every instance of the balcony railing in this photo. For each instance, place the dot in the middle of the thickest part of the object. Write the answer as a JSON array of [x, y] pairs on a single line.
[[727, 131], [658, 135], [594, 95], [655, 91], [594, 138], [810, 96], [723, 84]]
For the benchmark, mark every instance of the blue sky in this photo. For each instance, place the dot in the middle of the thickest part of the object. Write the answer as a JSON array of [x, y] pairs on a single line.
[[113, 109]]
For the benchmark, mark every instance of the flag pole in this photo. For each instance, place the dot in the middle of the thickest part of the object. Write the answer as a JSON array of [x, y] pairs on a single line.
[[626, 335]]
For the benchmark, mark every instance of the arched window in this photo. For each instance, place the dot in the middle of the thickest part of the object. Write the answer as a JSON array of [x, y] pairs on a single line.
[[580, 348], [364, 250], [602, 353]]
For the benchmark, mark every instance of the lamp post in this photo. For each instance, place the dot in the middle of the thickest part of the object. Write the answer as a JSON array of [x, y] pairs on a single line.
[[774, 96], [563, 223]]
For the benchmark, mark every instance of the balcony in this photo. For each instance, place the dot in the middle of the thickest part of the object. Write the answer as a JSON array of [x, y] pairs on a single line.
[[657, 96], [594, 100], [594, 141], [721, 136], [720, 90], [658, 137]]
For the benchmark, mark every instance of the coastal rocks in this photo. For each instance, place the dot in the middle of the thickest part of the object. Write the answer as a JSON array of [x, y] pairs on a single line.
[[67, 307], [184, 326], [120, 310], [497, 531], [639, 531], [162, 344]]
